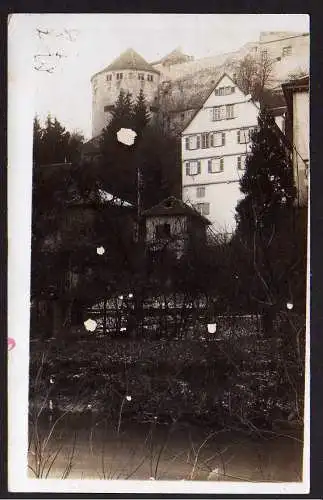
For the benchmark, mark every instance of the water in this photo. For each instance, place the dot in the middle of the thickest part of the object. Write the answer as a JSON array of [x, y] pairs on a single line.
[[90, 448]]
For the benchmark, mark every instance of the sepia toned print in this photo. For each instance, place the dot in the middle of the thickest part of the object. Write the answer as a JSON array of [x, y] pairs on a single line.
[[169, 250]]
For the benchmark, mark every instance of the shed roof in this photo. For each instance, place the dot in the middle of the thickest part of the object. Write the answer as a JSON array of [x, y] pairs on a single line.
[[173, 206]]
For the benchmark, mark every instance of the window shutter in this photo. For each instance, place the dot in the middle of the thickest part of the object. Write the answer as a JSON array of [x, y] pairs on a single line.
[[223, 138], [187, 164], [198, 141], [212, 114], [209, 166], [187, 143], [233, 89], [239, 162], [216, 92], [238, 136], [211, 140], [198, 167], [221, 164]]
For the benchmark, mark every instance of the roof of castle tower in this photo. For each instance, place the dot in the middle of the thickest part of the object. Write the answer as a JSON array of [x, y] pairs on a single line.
[[175, 57], [129, 59]]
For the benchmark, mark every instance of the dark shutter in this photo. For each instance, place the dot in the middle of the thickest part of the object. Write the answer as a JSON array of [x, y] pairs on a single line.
[[187, 143], [198, 142], [198, 167], [223, 138], [187, 165], [211, 140], [209, 166], [221, 164], [233, 89], [238, 136], [239, 162]]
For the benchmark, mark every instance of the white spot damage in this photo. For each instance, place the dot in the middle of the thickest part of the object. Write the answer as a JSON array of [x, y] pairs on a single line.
[[211, 327], [289, 305], [127, 136], [100, 250], [90, 325], [128, 398]]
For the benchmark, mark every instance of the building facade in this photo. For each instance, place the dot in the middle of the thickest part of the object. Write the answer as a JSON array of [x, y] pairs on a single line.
[[177, 84], [297, 130], [130, 73], [214, 148]]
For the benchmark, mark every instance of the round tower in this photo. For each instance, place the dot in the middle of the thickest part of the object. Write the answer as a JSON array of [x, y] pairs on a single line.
[[130, 73]]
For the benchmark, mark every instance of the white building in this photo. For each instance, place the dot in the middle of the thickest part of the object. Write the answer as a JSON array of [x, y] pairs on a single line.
[[297, 130], [214, 148]]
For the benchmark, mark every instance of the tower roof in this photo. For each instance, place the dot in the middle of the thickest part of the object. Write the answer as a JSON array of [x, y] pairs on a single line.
[[129, 59]]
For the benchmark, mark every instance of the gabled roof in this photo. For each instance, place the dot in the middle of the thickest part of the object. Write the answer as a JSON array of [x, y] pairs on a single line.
[[210, 93], [173, 206], [129, 59]]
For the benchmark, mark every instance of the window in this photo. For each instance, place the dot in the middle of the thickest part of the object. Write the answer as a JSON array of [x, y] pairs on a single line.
[[141, 76], [193, 167], [241, 162], [202, 208], [264, 53], [162, 231], [245, 135], [205, 140], [217, 139], [109, 78], [150, 78], [222, 112], [215, 165], [192, 142], [200, 192], [224, 91], [182, 116], [229, 109], [287, 51], [119, 76]]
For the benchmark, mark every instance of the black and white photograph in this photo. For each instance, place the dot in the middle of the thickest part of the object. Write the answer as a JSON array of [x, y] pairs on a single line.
[[158, 267]]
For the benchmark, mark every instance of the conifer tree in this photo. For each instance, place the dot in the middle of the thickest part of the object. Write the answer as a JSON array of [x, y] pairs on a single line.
[[141, 115], [266, 219], [268, 183]]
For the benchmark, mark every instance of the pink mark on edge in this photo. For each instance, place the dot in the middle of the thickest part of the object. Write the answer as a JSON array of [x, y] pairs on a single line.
[[11, 344]]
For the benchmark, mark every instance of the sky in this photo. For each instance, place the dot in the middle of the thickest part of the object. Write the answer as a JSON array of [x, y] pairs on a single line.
[[93, 41]]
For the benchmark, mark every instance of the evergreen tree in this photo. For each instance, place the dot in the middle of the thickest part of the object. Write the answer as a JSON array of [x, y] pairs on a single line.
[[141, 115], [266, 236], [268, 183], [37, 141]]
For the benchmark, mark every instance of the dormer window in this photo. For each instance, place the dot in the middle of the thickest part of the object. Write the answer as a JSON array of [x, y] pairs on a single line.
[[150, 78], [141, 76], [109, 78], [119, 76]]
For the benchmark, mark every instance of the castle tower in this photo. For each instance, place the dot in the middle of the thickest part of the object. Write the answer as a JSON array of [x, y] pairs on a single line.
[[130, 73]]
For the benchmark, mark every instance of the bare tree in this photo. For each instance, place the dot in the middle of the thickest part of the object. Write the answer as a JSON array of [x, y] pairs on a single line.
[[253, 74]]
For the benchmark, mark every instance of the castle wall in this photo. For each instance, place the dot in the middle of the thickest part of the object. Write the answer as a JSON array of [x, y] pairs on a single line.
[[106, 87]]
